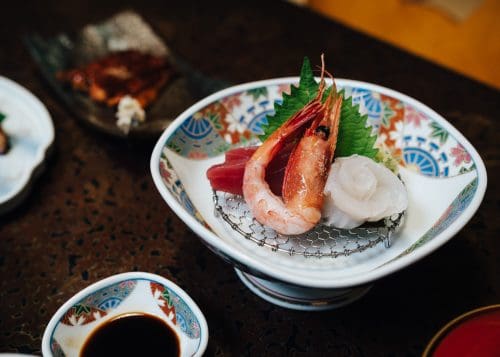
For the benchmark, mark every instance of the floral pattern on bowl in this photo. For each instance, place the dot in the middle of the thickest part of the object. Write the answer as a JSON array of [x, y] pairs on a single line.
[[121, 294], [96, 305], [176, 309], [235, 120], [445, 175]]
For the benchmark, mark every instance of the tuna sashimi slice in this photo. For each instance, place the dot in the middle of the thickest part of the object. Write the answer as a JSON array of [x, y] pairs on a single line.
[[228, 176]]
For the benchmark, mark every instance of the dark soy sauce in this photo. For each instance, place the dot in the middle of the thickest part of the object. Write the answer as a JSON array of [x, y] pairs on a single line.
[[133, 334]]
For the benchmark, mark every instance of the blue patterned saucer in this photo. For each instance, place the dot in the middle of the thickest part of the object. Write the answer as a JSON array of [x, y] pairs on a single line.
[[134, 292]]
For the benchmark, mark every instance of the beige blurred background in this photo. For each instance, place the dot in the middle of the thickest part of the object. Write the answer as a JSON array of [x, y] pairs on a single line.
[[463, 35]]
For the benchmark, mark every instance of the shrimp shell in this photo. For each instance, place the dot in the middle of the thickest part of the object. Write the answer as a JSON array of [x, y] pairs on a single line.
[[306, 170]]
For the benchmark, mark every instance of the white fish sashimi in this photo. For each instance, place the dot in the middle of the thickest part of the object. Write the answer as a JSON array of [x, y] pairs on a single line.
[[358, 190]]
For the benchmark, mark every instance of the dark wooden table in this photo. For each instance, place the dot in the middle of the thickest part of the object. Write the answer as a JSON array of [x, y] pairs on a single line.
[[95, 211]]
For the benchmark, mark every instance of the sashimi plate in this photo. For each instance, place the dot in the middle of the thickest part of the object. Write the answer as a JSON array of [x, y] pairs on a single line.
[[444, 175]]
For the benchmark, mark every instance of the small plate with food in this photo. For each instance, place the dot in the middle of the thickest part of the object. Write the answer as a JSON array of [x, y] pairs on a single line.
[[119, 76], [315, 187], [26, 135]]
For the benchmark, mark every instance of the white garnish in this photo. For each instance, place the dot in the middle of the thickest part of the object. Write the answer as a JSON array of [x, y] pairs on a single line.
[[129, 113]]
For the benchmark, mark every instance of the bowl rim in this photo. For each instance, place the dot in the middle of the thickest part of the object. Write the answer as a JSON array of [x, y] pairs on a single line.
[[113, 279], [454, 323], [343, 282]]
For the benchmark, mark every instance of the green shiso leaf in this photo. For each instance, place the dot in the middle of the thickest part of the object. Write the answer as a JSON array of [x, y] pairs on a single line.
[[2, 116], [293, 102], [354, 135]]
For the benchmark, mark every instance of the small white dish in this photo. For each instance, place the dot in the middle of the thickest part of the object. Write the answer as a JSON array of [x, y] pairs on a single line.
[[134, 292], [445, 177], [31, 133]]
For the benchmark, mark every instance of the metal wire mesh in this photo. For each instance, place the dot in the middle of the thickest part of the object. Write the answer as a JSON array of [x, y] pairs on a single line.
[[322, 241]]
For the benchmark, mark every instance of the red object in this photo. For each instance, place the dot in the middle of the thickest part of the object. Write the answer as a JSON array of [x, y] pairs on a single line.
[[478, 335], [228, 176], [121, 73]]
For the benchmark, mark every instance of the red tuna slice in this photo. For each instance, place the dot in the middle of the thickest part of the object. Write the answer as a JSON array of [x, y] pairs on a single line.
[[228, 176], [275, 172]]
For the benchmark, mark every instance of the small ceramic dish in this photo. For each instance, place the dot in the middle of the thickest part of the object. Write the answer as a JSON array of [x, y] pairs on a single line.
[[134, 292], [123, 31], [30, 130], [444, 175], [475, 333]]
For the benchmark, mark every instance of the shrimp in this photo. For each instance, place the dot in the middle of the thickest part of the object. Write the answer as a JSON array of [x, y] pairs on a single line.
[[305, 175]]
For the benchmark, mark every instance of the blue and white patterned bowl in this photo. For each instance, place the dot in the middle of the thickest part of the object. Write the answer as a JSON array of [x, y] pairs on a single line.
[[134, 292], [445, 177]]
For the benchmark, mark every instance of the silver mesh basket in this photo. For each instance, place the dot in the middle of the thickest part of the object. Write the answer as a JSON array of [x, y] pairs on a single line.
[[322, 241]]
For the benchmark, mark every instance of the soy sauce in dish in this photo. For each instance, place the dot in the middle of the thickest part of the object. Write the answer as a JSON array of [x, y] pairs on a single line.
[[134, 334]]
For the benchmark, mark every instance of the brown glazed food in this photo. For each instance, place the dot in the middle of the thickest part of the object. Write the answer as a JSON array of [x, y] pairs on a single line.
[[131, 72]]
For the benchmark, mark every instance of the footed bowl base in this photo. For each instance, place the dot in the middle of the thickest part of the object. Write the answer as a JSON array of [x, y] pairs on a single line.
[[300, 297]]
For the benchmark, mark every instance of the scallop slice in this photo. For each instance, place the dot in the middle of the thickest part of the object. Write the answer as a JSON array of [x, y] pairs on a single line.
[[358, 190]]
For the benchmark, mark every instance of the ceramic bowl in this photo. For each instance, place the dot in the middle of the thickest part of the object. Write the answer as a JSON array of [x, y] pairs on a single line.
[[475, 333], [134, 292], [444, 175], [124, 30], [31, 133]]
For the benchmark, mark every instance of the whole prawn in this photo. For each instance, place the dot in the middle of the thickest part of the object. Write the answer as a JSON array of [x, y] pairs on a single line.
[[306, 172]]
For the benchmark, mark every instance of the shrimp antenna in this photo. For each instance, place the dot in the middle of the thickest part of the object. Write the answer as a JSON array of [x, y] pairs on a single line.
[[321, 88], [322, 66], [333, 93], [334, 85]]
